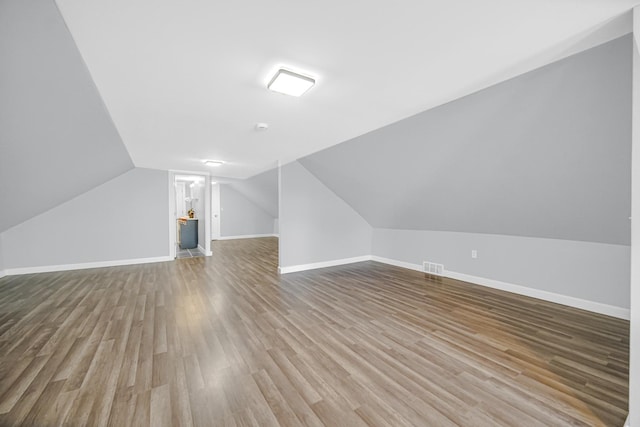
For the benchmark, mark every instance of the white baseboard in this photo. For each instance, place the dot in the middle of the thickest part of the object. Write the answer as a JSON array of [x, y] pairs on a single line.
[[627, 423], [246, 236], [83, 266], [609, 310], [596, 307], [203, 251], [324, 264], [407, 265]]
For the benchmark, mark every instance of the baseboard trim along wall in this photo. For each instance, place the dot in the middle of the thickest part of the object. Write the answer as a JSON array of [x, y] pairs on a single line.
[[204, 252], [407, 265], [84, 266], [608, 310], [247, 236], [324, 264], [596, 307]]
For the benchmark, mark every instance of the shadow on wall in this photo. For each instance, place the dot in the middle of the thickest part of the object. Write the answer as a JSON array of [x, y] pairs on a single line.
[[249, 207]]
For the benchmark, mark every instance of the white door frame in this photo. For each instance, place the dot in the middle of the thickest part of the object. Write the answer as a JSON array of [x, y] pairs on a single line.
[[172, 211], [172, 215], [215, 203]]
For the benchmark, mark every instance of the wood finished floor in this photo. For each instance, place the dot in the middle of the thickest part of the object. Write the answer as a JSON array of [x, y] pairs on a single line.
[[226, 341]]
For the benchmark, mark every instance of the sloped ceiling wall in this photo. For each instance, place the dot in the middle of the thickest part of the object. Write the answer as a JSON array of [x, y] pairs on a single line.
[[240, 216], [546, 154], [316, 226], [122, 219], [57, 139], [261, 189]]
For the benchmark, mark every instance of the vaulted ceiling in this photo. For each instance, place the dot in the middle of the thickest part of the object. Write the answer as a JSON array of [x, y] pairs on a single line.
[[90, 89], [185, 81], [57, 139], [545, 154]]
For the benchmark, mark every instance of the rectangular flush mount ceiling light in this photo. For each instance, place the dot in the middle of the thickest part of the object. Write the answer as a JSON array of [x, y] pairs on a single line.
[[290, 83]]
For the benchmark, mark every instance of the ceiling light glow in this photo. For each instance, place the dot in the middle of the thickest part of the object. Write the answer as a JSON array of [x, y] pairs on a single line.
[[214, 163], [290, 83]]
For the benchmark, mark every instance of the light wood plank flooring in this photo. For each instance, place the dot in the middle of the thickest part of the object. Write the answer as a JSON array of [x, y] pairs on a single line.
[[226, 341]]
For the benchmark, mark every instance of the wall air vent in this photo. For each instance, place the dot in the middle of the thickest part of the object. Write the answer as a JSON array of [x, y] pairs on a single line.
[[433, 268]]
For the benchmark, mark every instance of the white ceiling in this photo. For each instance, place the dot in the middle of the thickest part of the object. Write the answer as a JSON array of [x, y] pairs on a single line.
[[185, 80]]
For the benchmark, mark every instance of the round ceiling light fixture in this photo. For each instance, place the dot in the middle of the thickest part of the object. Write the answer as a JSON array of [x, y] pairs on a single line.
[[262, 126]]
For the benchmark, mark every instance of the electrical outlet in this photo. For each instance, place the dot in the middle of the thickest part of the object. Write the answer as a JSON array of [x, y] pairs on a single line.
[[474, 253]]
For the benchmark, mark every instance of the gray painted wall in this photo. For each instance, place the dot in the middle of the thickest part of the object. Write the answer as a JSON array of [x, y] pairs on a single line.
[[239, 216], [124, 218], [57, 139], [261, 189], [315, 224], [546, 154], [591, 271]]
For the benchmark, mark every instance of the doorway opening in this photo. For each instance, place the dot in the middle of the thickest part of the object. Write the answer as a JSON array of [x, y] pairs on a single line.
[[190, 215]]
